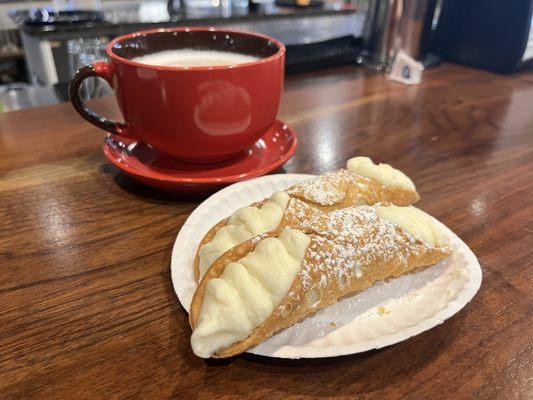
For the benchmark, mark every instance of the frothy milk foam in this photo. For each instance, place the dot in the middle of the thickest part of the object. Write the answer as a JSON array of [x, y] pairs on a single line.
[[194, 58]]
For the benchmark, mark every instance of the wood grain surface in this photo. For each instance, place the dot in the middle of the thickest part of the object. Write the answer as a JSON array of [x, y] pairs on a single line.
[[87, 310]]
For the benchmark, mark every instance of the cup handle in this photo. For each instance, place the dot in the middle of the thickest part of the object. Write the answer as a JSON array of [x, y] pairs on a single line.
[[103, 70]]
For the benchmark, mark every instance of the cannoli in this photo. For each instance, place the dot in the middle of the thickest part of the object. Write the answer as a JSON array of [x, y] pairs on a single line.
[[362, 183], [270, 282]]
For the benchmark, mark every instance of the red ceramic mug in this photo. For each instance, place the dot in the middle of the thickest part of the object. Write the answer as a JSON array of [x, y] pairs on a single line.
[[198, 114]]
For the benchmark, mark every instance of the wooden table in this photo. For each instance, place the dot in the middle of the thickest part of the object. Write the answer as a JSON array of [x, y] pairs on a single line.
[[87, 306]]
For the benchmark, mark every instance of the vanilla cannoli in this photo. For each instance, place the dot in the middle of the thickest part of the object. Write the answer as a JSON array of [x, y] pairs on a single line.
[[362, 183], [270, 282]]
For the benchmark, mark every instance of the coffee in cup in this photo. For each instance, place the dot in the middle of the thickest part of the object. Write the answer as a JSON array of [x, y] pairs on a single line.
[[194, 58]]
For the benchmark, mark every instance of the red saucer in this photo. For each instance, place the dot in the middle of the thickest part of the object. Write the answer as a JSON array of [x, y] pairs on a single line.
[[148, 165]]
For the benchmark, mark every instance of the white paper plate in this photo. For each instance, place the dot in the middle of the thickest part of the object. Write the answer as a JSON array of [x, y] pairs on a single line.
[[387, 313]]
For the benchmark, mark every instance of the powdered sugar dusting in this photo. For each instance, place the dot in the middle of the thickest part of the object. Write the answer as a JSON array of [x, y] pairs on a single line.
[[298, 212], [347, 243], [330, 188], [323, 190]]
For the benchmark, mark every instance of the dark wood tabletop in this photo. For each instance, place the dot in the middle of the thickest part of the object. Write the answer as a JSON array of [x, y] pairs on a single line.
[[87, 308]]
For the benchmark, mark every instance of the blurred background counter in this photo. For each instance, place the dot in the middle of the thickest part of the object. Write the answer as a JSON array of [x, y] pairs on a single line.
[[44, 47], [43, 43]]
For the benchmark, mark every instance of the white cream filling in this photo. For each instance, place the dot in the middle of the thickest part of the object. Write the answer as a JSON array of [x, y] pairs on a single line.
[[248, 291], [383, 173], [242, 225], [416, 222]]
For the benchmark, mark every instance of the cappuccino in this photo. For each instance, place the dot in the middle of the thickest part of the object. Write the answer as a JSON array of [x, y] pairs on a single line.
[[194, 58]]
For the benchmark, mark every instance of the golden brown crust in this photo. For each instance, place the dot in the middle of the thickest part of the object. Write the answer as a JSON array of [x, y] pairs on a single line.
[[297, 310], [343, 189], [328, 270]]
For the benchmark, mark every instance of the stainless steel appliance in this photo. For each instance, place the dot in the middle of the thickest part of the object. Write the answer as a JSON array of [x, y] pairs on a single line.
[[392, 26]]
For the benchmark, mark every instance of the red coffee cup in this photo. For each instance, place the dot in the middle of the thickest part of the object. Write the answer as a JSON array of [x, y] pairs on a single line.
[[198, 114]]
